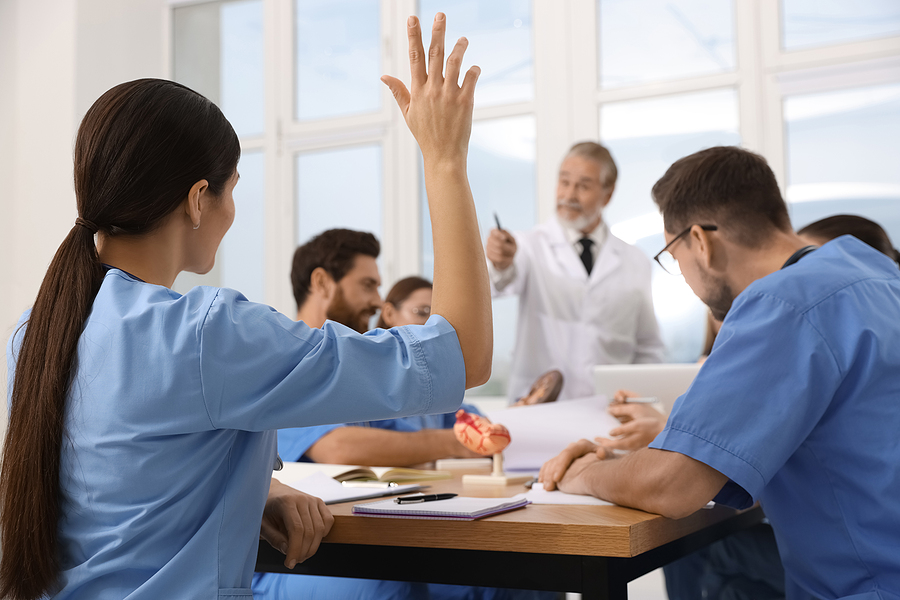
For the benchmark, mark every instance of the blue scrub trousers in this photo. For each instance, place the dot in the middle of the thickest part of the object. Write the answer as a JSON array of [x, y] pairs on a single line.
[[743, 566]]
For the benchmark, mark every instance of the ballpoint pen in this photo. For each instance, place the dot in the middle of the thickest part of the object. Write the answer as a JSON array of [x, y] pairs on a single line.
[[423, 498], [648, 400]]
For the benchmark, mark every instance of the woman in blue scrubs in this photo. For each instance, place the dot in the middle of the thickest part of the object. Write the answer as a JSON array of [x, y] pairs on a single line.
[[141, 434]]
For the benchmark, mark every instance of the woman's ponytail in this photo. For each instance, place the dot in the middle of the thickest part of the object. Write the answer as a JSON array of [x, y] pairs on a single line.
[[29, 481], [139, 149]]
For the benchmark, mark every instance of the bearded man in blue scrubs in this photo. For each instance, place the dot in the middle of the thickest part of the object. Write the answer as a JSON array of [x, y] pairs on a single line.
[[335, 277], [798, 405]]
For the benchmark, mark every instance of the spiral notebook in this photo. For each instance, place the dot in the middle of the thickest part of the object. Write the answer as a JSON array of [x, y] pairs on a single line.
[[459, 508]]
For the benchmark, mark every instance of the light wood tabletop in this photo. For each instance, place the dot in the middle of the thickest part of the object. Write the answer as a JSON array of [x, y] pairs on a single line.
[[612, 531], [594, 550]]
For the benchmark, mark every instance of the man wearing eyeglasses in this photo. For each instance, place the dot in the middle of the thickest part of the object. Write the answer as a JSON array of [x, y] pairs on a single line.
[[584, 295], [796, 406]]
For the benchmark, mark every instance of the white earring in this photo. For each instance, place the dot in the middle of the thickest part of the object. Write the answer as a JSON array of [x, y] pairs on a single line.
[[197, 226]]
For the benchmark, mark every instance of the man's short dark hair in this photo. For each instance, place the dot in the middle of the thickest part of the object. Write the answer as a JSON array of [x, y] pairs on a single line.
[[725, 186], [335, 251]]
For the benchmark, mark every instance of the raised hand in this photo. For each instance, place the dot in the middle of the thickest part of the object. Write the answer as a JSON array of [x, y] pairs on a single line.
[[438, 111]]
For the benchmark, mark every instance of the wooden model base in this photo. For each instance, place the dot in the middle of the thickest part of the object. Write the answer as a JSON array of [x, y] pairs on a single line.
[[497, 477]]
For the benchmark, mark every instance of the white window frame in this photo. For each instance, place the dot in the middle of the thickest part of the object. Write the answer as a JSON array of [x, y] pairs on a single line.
[[566, 106]]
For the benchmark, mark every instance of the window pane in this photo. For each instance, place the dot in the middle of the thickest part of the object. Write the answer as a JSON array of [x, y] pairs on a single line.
[[339, 188], [842, 155], [338, 63], [645, 137], [242, 251], [808, 23], [499, 34], [501, 173], [240, 261], [218, 51], [682, 38]]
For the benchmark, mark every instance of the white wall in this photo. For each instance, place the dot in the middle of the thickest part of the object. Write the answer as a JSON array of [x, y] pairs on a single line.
[[7, 120], [56, 58]]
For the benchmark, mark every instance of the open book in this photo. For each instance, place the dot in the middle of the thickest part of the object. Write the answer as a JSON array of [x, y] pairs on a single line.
[[294, 471]]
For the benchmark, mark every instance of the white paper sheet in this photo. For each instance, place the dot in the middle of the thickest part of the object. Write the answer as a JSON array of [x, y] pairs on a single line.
[[542, 431], [538, 495], [331, 492]]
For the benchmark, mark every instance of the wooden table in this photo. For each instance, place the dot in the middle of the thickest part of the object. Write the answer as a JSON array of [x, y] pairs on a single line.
[[594, 550]]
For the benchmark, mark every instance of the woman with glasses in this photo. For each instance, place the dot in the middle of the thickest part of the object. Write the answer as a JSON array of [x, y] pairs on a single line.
[[408, 303]]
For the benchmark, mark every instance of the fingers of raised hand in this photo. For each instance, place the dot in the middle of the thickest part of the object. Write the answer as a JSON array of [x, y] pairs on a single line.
[[436, 49], [401, 94], [468, 86], [454, 61], [417, 66]]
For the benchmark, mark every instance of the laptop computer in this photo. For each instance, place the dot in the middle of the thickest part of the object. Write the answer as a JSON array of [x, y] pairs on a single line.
[[665, 381]]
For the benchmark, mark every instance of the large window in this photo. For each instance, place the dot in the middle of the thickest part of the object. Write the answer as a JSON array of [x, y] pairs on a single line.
[[810, 23], [842, 155], [218, 51], [814, 86], [502, 148], [339, 188], [682, 39], [645, 137]]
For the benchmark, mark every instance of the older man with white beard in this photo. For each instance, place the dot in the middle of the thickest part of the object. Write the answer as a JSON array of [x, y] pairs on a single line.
[[584, 294]]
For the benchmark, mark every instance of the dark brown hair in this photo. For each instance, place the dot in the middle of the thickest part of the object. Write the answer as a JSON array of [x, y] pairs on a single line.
[[599, 153], [139, 150], [725, 186], [333, 250], [402, 290], [861, 228]]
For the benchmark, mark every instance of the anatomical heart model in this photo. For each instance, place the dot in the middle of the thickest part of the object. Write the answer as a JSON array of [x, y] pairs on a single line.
[[479, 435]]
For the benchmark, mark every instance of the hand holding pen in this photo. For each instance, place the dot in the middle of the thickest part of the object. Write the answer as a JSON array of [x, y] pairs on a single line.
[[641, 422], [501, 247]]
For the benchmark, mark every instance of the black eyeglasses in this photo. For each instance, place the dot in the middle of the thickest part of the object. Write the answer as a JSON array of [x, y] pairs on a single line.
[[665, 259]]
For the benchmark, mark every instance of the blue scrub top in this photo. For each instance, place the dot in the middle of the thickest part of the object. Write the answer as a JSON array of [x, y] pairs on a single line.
[[170, 428], [799, 406], [293, 443]]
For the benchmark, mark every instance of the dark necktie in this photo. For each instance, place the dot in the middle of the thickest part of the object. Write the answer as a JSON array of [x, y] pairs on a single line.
[[587, 257]]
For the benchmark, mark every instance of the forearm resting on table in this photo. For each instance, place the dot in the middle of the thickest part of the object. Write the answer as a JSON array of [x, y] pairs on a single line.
[[372, 447], [657, 481]]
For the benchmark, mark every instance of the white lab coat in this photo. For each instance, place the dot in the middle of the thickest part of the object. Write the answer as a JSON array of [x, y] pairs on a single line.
[[571, 321]]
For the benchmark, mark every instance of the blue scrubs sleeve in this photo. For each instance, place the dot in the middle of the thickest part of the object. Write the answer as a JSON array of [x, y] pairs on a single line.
[[294, 442], [757, 397], [259, 370]]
